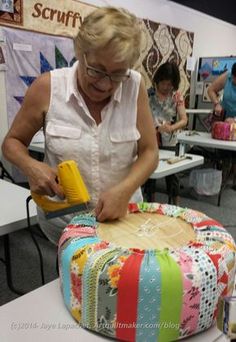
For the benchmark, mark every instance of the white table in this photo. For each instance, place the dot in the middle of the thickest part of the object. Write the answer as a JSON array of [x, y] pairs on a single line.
[[13, 217], [164, 169], [41, 315], [205, 139], [13, 208], [37, 147]]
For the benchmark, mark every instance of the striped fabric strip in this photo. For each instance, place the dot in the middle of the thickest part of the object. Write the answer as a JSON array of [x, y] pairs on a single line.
[[66, 260], [171, 297], [77, 232], [149, 299], [91, 274], [86, 290], [127, 301]]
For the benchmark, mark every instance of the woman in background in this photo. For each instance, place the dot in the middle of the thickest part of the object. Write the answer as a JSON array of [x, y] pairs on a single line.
[[227, 83], [169, 114]]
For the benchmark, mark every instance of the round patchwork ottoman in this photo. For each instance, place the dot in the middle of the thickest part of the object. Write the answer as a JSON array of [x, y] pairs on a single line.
[[155, 275]]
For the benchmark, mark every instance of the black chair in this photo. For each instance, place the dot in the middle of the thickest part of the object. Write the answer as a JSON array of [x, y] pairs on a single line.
[[29, 198], [6, 240], [5, 173]]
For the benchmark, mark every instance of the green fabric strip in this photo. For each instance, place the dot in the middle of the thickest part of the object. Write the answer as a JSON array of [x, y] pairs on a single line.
[[171, 297]]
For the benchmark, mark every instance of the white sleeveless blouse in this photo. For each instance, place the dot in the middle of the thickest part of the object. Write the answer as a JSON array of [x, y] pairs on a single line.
[[104, 152]]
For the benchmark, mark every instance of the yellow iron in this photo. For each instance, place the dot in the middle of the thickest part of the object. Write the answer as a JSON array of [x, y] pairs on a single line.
[[76, 193]]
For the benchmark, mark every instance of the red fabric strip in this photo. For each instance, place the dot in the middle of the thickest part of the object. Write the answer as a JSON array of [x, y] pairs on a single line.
[[133, 208], [208, 223], [127, 302]]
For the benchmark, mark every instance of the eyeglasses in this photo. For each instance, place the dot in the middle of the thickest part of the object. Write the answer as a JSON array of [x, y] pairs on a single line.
[[99, 74]]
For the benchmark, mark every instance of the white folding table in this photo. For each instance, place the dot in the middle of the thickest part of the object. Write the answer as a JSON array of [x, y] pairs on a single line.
[[36, 147], [165, 169], [13, 208], [41, 315], [204, 139]]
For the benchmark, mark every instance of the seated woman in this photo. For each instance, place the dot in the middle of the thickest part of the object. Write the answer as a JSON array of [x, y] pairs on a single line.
[[169, 114]]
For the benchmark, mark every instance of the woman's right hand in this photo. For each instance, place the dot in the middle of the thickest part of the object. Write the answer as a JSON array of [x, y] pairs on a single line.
[[218, 109], [43, 179], [230, 120]]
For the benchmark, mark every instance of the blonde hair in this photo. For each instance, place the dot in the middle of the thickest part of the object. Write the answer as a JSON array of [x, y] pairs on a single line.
[[113, 28]]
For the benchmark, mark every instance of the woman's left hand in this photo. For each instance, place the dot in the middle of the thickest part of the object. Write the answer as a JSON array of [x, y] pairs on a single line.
[[112, 205]]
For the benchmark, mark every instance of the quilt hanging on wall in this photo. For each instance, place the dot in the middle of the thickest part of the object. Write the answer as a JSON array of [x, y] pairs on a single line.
[[29, 54], [162, 43]]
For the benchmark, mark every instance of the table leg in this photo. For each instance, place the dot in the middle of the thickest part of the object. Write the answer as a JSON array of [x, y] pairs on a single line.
[[226, 171], [181, 149], [149, 189], [219, 197]]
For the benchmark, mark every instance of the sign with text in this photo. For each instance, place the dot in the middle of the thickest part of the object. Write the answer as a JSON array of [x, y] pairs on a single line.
[[57, 17]]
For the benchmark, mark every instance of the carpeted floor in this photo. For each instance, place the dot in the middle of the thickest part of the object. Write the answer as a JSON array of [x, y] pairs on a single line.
[[25, 264]]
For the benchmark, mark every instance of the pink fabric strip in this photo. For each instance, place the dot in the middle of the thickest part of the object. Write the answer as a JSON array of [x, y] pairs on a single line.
[[190, 308]]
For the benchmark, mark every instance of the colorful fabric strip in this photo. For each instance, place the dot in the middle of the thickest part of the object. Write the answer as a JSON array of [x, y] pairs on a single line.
[[171, 297], [127, 301], [107, 292], [91, 273], [67, 254], [191, 298], [149, 299]]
